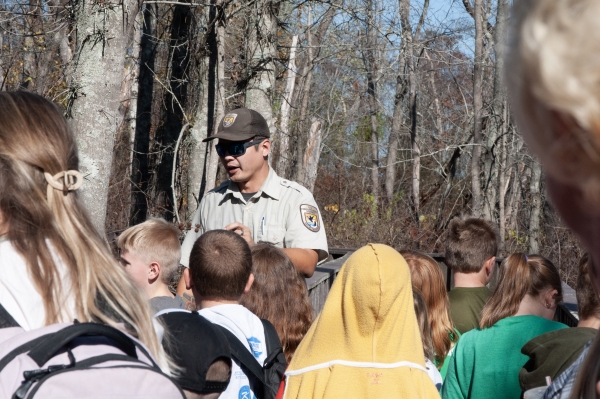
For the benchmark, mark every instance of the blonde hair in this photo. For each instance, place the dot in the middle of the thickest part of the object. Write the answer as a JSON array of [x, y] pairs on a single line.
[[427, 278], [35, 138], [554, 81], [520, 275], [154, 240]]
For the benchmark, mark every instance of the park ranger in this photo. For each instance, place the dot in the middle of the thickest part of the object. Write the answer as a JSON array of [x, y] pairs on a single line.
[[255, 202]]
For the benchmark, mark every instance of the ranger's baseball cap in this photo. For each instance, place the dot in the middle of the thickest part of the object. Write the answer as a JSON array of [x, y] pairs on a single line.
[[240, 125]]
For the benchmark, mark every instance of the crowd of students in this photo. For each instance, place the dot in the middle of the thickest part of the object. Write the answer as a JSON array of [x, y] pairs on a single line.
[[388, 327]]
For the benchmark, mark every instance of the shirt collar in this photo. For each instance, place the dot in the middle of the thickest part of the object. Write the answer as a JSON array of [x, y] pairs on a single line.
[[270, 187]]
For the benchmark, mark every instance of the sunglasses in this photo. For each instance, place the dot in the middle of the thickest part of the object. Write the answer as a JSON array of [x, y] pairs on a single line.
[[236, 149]]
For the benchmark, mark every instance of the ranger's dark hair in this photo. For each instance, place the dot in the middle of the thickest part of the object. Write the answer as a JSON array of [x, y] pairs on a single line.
[[470, 243], [220, 265]]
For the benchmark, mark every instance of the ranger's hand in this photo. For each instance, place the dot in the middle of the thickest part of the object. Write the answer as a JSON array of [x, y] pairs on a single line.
[[242, 231]]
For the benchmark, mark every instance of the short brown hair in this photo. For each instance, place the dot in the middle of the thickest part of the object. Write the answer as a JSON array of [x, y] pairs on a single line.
[[469, 244], [588, 304], [220, 265], [154, 240]]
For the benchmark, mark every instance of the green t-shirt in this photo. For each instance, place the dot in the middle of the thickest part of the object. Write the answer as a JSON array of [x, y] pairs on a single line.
[[486, 363], [466, 304]]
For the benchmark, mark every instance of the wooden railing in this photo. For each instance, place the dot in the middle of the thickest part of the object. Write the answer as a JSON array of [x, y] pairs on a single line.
[[320, 284]]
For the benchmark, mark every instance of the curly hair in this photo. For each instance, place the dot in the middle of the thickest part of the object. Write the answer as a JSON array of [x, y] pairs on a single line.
[[279, 294], [427, 279]]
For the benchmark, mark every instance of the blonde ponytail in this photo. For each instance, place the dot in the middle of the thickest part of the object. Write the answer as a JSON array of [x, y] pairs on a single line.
[[48, 225]]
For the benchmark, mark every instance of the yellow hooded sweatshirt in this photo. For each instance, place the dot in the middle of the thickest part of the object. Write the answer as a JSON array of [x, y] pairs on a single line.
[[366, 342]]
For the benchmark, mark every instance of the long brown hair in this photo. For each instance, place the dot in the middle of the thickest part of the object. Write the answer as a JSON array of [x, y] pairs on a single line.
[[35, 138], [279, 294], [427, 278], [424, 326], [520, 275]]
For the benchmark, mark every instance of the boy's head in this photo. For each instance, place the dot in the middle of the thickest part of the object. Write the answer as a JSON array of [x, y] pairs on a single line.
[[470, 244], [220, 266], [588, 304], [150, 252]]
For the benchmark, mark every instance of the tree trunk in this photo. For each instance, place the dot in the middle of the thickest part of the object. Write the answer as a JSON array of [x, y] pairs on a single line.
[[175, 102], [216, 96], [140, 174], [496, 119], [284, 133], [536, 206], [198, 149], [312, 154], [313, 42], [407, 37], [477, 112], [97, 77], [262, 51], [371, 68]]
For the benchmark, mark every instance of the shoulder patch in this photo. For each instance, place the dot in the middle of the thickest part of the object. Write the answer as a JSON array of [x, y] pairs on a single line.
[[310, 217]]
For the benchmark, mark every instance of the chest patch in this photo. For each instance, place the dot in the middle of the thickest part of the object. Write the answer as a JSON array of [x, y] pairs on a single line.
[[310, 217]]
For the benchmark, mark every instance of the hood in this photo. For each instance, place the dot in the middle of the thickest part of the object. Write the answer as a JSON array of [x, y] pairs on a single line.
[[366, 341], [552, 353]]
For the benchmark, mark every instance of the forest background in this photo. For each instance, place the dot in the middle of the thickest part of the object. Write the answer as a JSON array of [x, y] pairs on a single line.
[[392, 112]]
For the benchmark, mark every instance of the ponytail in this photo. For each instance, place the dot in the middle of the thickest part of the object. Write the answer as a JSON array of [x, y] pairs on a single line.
[[519, 276]]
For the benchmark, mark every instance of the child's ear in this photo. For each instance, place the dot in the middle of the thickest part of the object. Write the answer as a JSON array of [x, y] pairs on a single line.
[[153, 271], [187, 277], [249, 283], [489, 266], [550, 298]]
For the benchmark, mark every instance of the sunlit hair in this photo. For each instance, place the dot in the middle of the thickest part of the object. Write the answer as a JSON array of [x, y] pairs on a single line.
[[520, 275], [279, 294], [588, 304], [423, 321], [154, 240], [427, 278], [553, 75], [469, 244], [35, 138]]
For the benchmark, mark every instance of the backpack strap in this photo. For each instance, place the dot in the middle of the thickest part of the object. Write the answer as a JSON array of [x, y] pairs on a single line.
[[274, 346], [48, 348], [241, 353], [6, 320]]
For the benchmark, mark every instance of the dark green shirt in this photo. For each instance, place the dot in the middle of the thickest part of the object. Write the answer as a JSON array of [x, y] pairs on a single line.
[[466, 304]]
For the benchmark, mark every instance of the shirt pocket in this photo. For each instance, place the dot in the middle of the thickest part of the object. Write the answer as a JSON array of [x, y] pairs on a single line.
[[274, 235]]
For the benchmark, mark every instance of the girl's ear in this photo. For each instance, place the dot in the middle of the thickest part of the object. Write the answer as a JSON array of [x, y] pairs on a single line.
[[550, 298]]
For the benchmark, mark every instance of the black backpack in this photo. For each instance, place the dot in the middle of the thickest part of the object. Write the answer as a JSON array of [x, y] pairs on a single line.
[[270, 374]]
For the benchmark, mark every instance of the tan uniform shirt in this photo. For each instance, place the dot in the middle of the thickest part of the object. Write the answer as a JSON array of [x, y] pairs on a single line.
[[281, 213]]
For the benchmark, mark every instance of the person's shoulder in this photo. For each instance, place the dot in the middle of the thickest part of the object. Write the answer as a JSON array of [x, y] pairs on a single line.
[[220, 189], [215, 193], [296, 187]]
